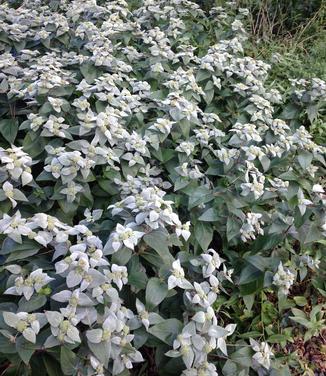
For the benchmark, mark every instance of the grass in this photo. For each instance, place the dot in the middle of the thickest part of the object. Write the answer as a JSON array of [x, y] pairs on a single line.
[[300, 43], [294, 29]]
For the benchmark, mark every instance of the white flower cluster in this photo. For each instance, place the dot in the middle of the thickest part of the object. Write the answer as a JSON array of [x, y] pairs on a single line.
[[283, 279], [27, 324], [66, 164], [85, 270], [202, 334], [262, 355], [309, 90], [148, 211], [310, 262], [16, 164], [252, 226], [9, 192], [26, 286]]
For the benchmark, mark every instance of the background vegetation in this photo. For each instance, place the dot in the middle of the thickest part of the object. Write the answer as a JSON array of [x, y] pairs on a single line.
[[291, 36]]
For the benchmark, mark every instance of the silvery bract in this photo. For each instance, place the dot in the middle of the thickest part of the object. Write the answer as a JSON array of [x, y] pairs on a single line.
[[27, 324]]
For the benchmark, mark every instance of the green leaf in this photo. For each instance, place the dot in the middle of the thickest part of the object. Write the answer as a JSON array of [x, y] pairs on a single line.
[[282, 371], [290, 112], [19, 196], [185, 126], [298, 313], [136, 274], [163, 155], [141, 337], [300, 300], [248, 274], [68, 207], [230, 369], [198, 196], [232, 228], [19, 255], [46, 109], [159, 241], [35, 302], [243, 356], [210, 215], [6, 346], [156, 291], [259, 262], [309, 233], [254, 286], [9, 307], [203, 75], [122, 257], [167, 330], [52, 366], [301, 321], [137, 279], [89, 71], [9, 129], [312, 112], [101, 351], [152, 258], [249, 301], [265, 162], [277, 338], [209, 95], [33, 144], [67, 361], [203, 234], [25, 349], [10, 246], [304, 159], [253, 334], [61, 91], [265, 242], [175, 114]]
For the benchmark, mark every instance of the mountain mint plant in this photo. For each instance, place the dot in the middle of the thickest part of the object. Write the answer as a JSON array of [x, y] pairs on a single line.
[[151, 188]]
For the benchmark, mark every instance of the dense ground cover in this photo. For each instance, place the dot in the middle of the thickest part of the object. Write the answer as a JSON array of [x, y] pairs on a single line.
[[162, 202]]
